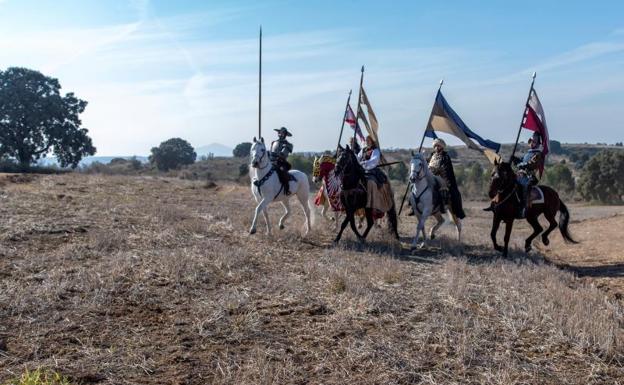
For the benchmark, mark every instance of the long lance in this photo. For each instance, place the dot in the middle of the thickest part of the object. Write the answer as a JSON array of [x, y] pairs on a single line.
[[422, 141], [260, 89], [359, 107], [523, 116], [343, 119]]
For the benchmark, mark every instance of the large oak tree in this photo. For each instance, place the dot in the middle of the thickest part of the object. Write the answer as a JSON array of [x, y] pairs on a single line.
[[35, 119]]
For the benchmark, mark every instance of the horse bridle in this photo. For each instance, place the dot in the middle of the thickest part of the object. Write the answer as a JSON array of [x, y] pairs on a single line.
[[420, 170]]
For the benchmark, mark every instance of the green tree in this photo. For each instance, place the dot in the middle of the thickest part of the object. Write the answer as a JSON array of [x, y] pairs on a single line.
[[172, 153], [559, 177], [35, 119], [555, 147], [242, 150], [602, 178], [398, 172]]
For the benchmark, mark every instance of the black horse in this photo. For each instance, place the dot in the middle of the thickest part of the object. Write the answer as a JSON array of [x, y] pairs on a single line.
[[505, 196], [353, 195]]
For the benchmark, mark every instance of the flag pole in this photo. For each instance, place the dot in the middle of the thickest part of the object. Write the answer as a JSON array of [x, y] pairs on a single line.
[[260, 88], [357, 112], [343, 118], [523, 116], [422, 141]]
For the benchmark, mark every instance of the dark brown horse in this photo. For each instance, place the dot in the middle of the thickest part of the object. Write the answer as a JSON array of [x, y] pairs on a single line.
[[353, 194], [505, 194]]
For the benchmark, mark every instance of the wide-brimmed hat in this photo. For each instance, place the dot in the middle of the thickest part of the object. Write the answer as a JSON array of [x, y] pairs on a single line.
[[283, 130], [439, 142]]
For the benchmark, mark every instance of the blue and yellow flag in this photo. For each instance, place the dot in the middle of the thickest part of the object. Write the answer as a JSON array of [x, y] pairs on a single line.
[[444, 119]]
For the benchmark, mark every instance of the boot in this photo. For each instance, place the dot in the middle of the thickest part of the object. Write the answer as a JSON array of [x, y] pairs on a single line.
[[490, 207], [524, 202], [442, 207]]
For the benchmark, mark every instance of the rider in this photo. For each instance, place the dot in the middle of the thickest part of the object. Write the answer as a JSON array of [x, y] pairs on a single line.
[[369, 158], [441, 165], [280, 149], [528, 170]]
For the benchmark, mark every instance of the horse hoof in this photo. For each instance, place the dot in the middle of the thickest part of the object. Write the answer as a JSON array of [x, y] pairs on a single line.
[[432, 236], [499, 248], [252, 231], [281, 227], [545, 241]]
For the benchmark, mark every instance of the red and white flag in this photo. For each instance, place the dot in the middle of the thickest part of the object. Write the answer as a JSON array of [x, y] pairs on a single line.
[[535, 120], [350, 119]]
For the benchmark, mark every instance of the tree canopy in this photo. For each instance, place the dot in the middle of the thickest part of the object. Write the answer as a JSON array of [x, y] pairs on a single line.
[[242, 150], [35, 119], [172, 154], [602, 178]]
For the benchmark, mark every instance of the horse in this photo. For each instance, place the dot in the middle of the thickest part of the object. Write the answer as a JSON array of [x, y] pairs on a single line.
[[329, 194], [353, 195], [266, 187], [503, 191], [422, 201]]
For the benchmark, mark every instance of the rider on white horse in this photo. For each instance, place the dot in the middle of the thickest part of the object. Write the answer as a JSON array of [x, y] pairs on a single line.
[[441, 165], [266, 187], [424, 186], [280, 149]]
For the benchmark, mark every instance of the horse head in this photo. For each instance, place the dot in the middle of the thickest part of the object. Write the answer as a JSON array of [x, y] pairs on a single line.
[[418, 168], [323, 165], [258, 154], [503, 177]]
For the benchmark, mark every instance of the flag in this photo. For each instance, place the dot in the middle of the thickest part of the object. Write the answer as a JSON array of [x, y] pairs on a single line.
[[351, 121], [374, 125], [444, 119], [535, 120]]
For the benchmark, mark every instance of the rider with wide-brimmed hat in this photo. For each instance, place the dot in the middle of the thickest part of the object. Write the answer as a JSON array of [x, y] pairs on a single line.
[[279, 151], [441, 165]]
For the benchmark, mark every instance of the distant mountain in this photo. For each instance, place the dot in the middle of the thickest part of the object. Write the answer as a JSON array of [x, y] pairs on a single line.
[[90, 159], [217, 149]]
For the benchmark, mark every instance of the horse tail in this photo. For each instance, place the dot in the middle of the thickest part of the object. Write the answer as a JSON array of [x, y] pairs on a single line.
[[393, 221], [564, 219]]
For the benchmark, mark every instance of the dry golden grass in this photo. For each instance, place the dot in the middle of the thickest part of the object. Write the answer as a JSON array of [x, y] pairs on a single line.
[[148, 280]]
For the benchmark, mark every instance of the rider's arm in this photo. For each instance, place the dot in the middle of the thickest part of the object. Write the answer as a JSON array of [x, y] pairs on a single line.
[[373, 161], [535, 161]]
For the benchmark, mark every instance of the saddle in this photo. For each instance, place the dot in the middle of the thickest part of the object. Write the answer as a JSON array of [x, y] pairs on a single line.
[[377, 176], [536, 195]]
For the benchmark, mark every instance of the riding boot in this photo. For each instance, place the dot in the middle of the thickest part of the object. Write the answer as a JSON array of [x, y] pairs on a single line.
[[286, 183], [524, 202], [490, 207], [442, 207]]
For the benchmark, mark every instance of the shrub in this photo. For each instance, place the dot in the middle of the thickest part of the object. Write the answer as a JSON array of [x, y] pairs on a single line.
[[602, 178], [39, 377], [559, 177], [398, 172]]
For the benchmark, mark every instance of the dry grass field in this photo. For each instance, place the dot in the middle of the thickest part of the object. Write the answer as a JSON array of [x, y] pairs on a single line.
[[147, 280]]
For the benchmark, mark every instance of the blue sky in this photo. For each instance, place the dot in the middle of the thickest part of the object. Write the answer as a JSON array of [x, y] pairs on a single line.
[[152, 70]]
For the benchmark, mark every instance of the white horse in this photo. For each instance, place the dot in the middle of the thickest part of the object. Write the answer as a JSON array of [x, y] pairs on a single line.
[[266, 187], [421, 200]]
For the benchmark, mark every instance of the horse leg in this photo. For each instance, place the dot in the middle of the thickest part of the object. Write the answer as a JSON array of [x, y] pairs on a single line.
[[344, 224], [552, 225], [537, 229], [508, 227], [369, 222], [495, 225], [302, 196], [458, 225], [259, 209], [286, 205], [435, 228]]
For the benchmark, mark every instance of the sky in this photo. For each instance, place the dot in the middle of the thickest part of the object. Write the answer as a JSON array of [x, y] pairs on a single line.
[[153, 69]]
